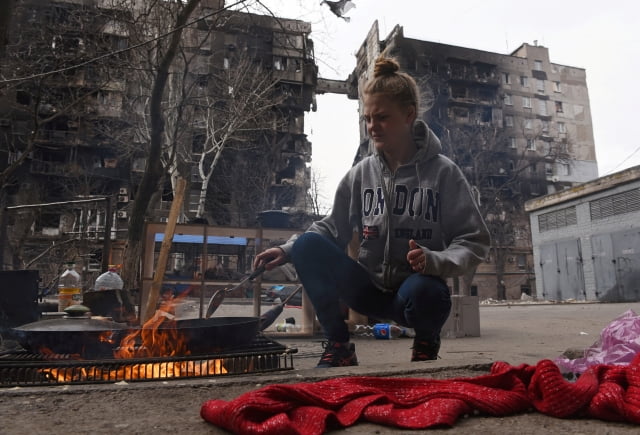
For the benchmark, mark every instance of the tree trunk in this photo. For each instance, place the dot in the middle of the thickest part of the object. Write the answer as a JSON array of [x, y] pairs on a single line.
[[153, 170]]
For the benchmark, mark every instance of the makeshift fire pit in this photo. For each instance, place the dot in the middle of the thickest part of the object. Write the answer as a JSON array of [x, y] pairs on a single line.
[[75, 350], [24, 368]]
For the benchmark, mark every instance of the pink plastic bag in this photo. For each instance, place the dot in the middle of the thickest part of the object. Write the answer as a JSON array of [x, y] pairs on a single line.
[[618, 344]]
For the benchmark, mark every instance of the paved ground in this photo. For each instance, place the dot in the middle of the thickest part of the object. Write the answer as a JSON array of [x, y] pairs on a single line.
[[515, 334]]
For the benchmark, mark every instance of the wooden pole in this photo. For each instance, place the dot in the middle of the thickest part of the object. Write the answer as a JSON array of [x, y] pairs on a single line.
[[258, 284], [161, 266], [203, 268]]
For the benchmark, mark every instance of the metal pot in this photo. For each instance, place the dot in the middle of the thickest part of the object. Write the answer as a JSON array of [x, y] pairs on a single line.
[[84, 336]]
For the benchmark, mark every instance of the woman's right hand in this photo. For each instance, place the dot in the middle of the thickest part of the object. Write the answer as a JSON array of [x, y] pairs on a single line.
[[271, 258]]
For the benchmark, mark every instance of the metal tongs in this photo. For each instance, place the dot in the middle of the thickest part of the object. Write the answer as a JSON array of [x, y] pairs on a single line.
[[219, 295]]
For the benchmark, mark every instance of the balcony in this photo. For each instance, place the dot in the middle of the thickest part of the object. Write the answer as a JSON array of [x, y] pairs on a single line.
[[63, 169], [66, 137]]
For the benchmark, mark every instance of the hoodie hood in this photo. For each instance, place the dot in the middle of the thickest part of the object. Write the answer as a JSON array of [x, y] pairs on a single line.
[[426, 140]]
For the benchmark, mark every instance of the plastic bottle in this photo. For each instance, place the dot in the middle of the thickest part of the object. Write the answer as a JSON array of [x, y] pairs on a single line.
[[387, 331], [110, 280], [289, 325], [363, 331], [69, 287]]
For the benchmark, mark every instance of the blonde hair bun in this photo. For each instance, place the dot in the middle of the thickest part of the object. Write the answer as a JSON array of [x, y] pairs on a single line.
[[385, 66]]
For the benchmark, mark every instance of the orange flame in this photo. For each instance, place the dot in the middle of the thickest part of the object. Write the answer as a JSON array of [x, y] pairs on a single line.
[[158, 337], [147, 371]]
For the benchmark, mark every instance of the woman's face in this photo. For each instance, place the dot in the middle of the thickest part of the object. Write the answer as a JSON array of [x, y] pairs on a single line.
[[388, 124]]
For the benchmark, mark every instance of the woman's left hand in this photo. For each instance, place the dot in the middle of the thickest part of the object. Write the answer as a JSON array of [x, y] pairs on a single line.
[[416, 257]]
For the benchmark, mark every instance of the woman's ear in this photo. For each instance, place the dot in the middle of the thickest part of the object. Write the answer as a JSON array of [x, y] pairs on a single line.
[[411, 114]]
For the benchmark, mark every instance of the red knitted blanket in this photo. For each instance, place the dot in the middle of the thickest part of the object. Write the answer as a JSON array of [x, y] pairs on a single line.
[[604, 392]]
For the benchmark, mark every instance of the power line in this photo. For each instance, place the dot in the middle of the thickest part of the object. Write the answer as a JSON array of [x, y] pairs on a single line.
[[124, 50], [622, 162]]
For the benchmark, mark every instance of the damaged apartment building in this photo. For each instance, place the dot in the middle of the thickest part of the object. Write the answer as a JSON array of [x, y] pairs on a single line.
[[74, 123], [518, 125]]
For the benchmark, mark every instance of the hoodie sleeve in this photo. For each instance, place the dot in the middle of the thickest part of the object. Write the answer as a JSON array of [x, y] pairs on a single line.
[[466, 236], [343, 220]]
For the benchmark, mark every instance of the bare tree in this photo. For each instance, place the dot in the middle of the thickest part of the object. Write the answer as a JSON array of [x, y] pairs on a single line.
[[154, 169], [503, 177], [248, 107], [314, 195]]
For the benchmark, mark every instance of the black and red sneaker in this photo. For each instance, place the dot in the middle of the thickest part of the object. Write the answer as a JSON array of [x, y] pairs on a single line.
[[338, 355], [425, 350]]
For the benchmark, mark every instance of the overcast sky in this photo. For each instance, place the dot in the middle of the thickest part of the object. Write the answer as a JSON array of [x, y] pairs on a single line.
[[601, 37]]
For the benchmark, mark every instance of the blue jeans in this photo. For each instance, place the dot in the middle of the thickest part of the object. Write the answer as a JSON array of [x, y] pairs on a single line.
[[329, 276]]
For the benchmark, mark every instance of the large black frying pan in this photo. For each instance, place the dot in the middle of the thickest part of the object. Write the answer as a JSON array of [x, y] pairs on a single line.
[[85, 336], [204, 336]]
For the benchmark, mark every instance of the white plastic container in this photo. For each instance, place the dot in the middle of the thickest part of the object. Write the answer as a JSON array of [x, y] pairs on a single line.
[[110, 280]]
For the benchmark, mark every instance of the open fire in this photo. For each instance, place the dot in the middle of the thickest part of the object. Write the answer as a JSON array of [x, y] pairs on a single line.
[[150, 341], [157, 350]]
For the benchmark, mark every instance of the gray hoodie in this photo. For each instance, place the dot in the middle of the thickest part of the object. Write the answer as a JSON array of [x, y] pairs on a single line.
[[427, 199]]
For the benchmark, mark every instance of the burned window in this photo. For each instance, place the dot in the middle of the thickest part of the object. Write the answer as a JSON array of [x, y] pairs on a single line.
[[23, 98], [458, 68], [458, 91], [48, 220], [484, 71], [486, 114], [460, 113], [117, 42], [559, 108], [486, 95], [197, 143]]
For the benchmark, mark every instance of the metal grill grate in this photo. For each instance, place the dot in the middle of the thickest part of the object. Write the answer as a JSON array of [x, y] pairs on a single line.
[[26, 369]]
